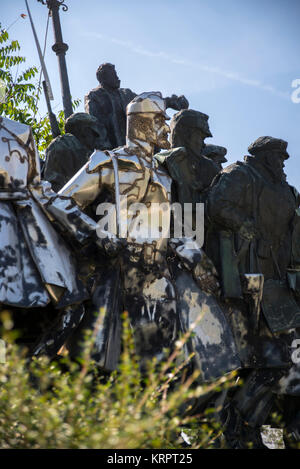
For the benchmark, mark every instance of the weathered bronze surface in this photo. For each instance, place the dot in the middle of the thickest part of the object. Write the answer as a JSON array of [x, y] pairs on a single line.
[[253, 227], [108, 104], [240, 294], [66, 154], [191, 171]]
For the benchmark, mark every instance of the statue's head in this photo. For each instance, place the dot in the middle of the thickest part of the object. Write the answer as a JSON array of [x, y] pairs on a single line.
[[216, 153], [86, 128], [146, 119], [189, 129], [107, 76], [271, 152]]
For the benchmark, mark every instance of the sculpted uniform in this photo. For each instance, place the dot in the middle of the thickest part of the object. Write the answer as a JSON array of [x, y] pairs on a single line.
[[67, 153], [150, 293], [37, 267], [189, 168], [109, 107], [64, 157], [146, 258], [252, 216], [253, 210]]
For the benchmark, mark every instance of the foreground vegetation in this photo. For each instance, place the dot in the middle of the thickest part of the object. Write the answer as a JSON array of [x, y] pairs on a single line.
[[61, 404], [20, 93]]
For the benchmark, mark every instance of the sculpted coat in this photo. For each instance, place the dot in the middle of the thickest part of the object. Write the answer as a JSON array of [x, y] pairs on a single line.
[[251, 211]]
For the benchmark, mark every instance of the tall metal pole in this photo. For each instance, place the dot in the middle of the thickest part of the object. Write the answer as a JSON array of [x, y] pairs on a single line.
[[60, 49]]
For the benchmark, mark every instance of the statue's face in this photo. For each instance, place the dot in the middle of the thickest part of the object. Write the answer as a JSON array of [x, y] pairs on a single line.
[[109, 78], [162, 130], [196, 141], [277, 162], [149, 127], [274, 160]]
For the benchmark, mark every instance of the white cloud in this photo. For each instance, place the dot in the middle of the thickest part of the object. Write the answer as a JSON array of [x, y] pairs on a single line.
[[233, 76]]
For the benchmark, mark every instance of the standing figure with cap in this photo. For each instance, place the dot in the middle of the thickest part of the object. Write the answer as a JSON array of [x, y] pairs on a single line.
[[108, 104], [67, 153], [146, 280], [253, 239], [191, 171]]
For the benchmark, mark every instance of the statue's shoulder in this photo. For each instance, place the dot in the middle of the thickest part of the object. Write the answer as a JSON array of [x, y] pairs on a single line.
[[235, 168], [168, 156], [95, 93], [63, 142], [127, 159], [296, 194], [128, 93], [98, 160], [65, 148], [103, 159], [235, 174], [21, 130]]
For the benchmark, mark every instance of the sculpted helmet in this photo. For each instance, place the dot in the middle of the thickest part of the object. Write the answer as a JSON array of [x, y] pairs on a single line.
[[79, 121], [149, 102], [192, 119]]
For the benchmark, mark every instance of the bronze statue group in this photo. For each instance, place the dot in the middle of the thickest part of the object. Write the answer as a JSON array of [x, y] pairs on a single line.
[[240, 290]]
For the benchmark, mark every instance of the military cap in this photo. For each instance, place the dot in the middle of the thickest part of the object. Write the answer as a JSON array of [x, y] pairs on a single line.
[[268, 143], [151, 101], [191, 118], [215, 151], [81, 119]]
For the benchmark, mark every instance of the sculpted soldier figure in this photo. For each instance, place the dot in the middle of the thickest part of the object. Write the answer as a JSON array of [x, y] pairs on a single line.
[[160, 296], [37, 267], [108, 104], [253, 214], [38, 270], [189, 168], [67, 153]]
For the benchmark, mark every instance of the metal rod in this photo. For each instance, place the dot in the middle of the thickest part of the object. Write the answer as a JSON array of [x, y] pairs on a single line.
[[52, 118], [60, 49], [45, 73]]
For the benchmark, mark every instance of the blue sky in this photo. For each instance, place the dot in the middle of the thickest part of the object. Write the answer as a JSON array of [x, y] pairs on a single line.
[[235, 60]]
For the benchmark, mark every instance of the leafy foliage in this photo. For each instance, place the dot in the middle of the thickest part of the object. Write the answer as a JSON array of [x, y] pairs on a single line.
[[66, 405], [22, 95]]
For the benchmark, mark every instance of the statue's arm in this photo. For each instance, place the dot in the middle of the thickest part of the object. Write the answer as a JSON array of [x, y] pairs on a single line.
[[194, 259], [83, 187], [229, 203], [176, 102], [67, 206], [93, 105]]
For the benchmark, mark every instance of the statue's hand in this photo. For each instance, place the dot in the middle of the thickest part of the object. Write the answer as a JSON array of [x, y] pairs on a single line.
[[177, 102], [248, 231], [195, 260], [207, 277]]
